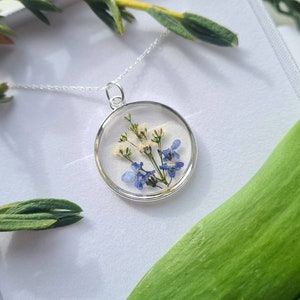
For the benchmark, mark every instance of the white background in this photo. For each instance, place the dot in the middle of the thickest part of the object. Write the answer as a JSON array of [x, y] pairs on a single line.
[[239, 102]]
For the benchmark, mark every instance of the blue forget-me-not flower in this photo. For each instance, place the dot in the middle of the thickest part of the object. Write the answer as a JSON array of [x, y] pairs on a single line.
[[170, 159], [137, 176]]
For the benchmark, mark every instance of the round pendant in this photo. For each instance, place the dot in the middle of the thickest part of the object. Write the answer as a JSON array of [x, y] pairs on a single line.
[[145, 151]]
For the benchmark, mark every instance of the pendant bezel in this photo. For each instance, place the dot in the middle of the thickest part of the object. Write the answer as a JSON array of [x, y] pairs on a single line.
[[138, 195]]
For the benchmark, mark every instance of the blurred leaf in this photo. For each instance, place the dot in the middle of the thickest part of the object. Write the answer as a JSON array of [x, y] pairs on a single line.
[[170, 23], [6, 30], [3, 90], [5, 40], [101, 11], [37, 6], [41, 16], [40, 5], [126, 15], [295, 6], [209, 31], [290, 8], [115, 13], [44, 5]]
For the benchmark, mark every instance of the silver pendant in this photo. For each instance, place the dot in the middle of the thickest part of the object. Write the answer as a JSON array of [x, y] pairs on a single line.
[[145, 151]]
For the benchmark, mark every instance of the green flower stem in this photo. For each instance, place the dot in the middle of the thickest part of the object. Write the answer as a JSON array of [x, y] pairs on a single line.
[[145, 6], [162, 176], [159, 148]]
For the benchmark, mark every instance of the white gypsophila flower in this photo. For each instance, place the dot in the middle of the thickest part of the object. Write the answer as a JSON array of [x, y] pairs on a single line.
[[122, 149], [145, 146], [142, 129]]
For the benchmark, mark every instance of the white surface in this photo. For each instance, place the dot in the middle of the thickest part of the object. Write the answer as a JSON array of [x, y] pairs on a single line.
[[239, 102]]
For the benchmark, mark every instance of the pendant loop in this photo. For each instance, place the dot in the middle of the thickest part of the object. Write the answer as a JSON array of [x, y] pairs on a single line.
[[115, 101]]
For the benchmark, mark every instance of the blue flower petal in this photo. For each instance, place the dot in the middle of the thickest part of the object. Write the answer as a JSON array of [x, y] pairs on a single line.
[[175, 144], [139, 181], [176, 155], [136, 167], [128, 177], [172, 167], [179, 165]]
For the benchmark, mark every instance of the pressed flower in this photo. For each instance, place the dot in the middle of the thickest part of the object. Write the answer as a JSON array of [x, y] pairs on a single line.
[[136, 141], [157, 135], [145, 147], [123, 150], [172, 167], [142, 131], [137, 176], [170, 153], [123, 137]]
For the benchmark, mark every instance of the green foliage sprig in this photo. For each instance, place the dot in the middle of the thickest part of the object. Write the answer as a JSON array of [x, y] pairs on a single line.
[[113, 12], [3, 90], [5, 33], [290, 8], [38, 214]]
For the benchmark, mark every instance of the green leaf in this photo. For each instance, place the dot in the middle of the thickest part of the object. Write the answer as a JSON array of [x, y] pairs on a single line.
[[126, 15], [5, 40], [36, 6], [67, 220], [116, 14], [3, 89], [26, 222], [43, 205], [6, 30], [248, 248], [6, 207], [170, 23], [40, 5], [295, 7], [100, 9], [41, 16], [209, 31], [38, 214]]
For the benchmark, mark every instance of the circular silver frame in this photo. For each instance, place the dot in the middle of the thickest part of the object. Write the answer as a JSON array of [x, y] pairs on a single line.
[[159, 195]]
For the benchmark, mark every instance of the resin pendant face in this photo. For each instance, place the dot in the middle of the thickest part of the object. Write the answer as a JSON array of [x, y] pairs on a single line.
[[145, 151]]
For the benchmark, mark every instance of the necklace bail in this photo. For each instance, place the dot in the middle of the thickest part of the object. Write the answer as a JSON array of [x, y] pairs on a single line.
[[115, 101]]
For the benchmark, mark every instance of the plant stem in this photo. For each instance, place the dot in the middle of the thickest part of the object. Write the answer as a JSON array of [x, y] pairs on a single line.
[[144, 6], [162, 177]]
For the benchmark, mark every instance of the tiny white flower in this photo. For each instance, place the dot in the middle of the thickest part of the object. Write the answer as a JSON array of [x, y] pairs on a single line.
[[122, 149]]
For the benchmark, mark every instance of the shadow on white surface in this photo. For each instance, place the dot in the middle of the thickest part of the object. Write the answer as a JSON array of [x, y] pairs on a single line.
[[34, 258]]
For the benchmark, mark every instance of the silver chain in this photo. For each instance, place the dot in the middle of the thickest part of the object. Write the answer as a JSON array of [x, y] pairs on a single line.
[[62, 88], [65, 88], [148, 50]]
